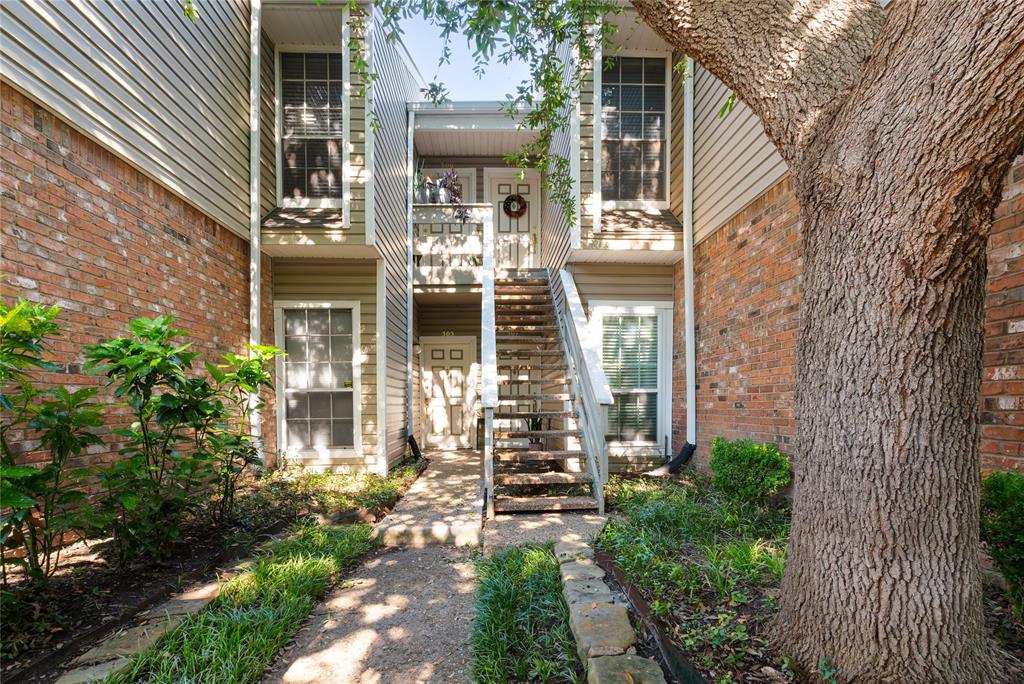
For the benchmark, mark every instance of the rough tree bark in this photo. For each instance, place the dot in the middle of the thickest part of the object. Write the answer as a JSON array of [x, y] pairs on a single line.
[[898, 127]]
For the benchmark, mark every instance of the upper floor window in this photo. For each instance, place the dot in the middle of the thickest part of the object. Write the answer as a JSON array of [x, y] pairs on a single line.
[[633, 129], [311, 126]]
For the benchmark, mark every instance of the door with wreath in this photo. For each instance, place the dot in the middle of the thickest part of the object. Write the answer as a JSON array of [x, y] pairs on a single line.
[[516, 219]]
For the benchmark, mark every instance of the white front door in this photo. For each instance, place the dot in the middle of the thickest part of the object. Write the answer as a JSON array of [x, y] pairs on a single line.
[[449, 388], [516, 219]]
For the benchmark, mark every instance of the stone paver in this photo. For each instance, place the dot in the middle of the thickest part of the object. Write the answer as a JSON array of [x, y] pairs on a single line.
[[624, 668], [543, 528], [443, 506], [601, 629], [402, 618]]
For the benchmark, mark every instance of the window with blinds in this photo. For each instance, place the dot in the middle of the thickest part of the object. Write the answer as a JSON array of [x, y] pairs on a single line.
[[633, 122], [311, 103], [630, 359], [318, 378]]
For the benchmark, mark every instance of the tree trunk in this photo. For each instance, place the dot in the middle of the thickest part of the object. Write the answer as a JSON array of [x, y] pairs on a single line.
[[883, 578], [898, 134]]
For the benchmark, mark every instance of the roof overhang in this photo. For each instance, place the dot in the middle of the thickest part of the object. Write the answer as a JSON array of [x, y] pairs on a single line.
[[468, 128]]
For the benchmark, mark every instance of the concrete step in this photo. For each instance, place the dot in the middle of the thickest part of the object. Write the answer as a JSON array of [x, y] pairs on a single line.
[[552, 478], [524, 504]]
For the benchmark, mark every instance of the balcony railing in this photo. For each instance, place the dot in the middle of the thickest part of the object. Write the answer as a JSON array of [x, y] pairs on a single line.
[[446, 249]]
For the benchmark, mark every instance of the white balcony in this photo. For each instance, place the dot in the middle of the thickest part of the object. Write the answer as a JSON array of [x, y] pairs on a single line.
[[447, 250]]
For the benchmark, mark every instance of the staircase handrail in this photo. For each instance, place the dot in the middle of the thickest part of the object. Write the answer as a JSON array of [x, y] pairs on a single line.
[[592, 392]]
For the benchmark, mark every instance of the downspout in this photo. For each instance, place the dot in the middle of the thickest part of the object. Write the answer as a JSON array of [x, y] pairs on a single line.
[[411, 173], [255, 248], [691, 347]]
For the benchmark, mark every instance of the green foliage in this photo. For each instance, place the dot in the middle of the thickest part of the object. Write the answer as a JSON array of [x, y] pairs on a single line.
[[187, 433], [1002, 530], [40, 504], [748, 472], [521, 630], [700, 559], [256, 612]]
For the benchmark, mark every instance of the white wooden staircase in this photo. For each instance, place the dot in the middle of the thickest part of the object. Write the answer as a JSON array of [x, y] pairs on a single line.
[[540, 463]]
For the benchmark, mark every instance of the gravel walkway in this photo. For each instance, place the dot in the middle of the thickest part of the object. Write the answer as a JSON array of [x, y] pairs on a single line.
[[403, 617]]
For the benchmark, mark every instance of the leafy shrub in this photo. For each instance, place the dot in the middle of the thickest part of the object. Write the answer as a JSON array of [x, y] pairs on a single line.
[[42, 504], [187, 434], [1002, 529], [747, 472]]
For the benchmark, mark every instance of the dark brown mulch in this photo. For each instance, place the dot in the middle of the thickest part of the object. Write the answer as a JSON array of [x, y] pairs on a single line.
[[1006, 630]]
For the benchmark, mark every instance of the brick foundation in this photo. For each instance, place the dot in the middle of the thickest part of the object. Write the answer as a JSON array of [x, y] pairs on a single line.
[[83, 229], [746, 304]]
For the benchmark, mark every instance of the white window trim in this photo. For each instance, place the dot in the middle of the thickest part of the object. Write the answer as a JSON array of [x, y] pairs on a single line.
[[663, 310], [346, 116], [323, 454], [646, 205], [466, 174]]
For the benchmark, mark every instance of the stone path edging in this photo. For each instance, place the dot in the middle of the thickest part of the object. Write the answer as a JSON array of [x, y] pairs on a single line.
[[604, 636]]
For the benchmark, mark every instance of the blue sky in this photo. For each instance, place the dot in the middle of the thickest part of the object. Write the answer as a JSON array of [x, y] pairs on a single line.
[[424, 44]]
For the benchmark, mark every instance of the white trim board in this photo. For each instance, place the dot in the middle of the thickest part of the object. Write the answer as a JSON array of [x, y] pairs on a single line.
[[323, 454]]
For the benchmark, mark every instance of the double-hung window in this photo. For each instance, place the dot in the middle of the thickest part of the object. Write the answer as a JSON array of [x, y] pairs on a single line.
[[320, 380], [634, 127], [312, 113], [636, 355]]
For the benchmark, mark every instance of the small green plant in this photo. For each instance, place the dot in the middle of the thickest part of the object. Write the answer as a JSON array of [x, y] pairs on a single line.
[[1002, 530], [747, 472], [521, 630], [826, 672]]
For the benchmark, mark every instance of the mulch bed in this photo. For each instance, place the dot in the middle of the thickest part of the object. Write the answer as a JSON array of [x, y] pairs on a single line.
[[90, 597]]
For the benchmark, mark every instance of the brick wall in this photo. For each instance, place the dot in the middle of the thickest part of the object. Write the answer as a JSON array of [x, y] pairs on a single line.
[[1002, 380], [83, 229], [746, 299], [746, 302]]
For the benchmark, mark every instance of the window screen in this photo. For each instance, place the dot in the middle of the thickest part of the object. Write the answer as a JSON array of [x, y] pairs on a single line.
[[318, 377], [311, 96], [633, 116], [630, 359]]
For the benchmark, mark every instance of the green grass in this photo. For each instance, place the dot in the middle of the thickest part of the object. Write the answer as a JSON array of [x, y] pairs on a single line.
[[256, 613], [710, 567], [521, 630]]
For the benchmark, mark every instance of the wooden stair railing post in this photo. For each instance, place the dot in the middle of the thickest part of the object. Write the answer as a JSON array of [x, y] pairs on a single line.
[[489, 360]]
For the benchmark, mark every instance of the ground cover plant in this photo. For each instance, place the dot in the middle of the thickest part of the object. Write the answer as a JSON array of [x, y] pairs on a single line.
[[1002, 530], [256, 612], [710, 568], [521, 630]]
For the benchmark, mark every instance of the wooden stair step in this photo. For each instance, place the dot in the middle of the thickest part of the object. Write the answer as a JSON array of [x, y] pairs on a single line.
[[522, 339], [533, 366], [529, 352], [550, 382], [519, 398], [521, 280], [552, 478], [524, 328], [522, 298], [507, 415], [525, 434], [527, 456], [521, 504], [513, 307]]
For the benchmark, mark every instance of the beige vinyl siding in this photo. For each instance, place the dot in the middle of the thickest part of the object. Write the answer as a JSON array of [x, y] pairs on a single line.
[[168, 96], [554, 229], [734, 161], [268, 120], [588, 101], [675, 150], [615, 281], [395, 86], [337, 279]]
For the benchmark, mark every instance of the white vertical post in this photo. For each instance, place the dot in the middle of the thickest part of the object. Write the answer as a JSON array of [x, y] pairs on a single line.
[[691, 346], [489, 358], [255, 249]]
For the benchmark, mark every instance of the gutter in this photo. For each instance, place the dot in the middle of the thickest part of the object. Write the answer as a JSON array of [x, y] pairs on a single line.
[[691, 347]]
